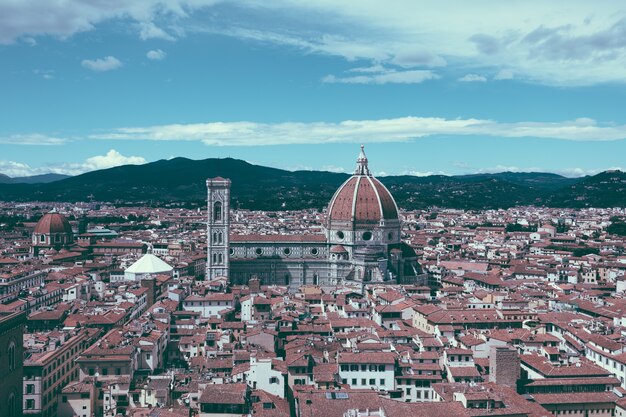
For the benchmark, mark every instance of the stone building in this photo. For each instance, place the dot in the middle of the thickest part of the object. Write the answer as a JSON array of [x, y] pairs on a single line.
[[11, 363], [53, 231], [361, 243]]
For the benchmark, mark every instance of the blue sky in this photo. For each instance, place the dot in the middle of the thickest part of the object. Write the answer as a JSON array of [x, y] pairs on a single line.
[[427, 86]]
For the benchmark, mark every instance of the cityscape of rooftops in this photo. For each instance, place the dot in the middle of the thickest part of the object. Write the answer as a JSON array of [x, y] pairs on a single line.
[[277, 208]]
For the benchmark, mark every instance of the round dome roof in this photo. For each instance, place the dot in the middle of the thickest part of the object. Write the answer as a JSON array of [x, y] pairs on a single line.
[[362, 198], [53, 222]]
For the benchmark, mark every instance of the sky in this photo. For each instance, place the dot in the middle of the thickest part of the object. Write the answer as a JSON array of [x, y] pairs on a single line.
[[429, 87]]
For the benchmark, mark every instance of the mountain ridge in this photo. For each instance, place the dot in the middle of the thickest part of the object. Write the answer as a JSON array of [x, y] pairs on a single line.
[[259, 187]]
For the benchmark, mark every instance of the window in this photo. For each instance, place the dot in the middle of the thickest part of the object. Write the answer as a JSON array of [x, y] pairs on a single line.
[[217, 211], [363, 382], [64, 398], [367, 236], [105, 371], [259, 251], [345, 368], [353, 381], [382, 381], [11, 355], [273, 380], [148, 356], [118, 371], [314, 251], [30, 404], [363, 367], [381, 368], [372, 381], [30, 388]]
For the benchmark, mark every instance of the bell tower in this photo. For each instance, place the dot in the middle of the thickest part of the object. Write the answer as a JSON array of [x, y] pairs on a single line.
[[218, 227]]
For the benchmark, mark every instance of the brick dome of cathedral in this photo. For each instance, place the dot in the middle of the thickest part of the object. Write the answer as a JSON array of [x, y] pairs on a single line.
[[52, 223], [362, 198]]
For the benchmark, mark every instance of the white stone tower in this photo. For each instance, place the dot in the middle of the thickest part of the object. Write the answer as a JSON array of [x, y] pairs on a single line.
[[218, 227]]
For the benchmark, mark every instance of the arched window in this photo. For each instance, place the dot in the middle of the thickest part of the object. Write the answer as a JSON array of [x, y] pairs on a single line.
[[214, 237], [215, 258], [217, 211], [11, 356], [220, 237]]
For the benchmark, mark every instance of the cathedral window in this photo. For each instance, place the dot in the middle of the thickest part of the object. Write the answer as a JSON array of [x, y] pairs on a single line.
[[259, 251], [340, 235], [11, 356], [286, 251], [217, 211], [314, 251], [367, 236]]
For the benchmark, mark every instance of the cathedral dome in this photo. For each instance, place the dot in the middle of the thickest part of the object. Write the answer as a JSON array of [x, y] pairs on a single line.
[[52, 223], [362, 199]]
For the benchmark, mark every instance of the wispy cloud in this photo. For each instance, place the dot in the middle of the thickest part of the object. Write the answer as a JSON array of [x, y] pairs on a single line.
[[109, 160], [563, 42], [107, 63], [354, 131], [473, 78], [156, 55], [385, 77], [32, 139]]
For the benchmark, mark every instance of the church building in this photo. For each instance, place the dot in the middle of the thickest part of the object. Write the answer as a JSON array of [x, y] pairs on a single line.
[[362, 242]]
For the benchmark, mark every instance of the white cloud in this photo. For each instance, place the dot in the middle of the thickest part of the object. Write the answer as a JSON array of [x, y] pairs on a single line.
[[45, 74], [356, 131], [581, 172], [16, 169], [107, 63], [562, 42], [148, 30], [333, 168], [415, 173], [369, 76], [156, 55], [473, 78], [504, 74], [31, 139], [62, 19], [111, 159]]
